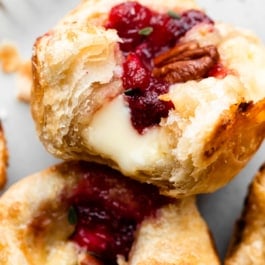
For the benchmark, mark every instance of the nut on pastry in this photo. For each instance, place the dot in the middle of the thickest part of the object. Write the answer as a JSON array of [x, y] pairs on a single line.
[[78, 213], [155, 89], [247, 245], [3, 157]]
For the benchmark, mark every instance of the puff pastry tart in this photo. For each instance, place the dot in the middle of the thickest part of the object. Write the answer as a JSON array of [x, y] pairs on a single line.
[[247, 246], [83, 213], [3, 157], [155, 89]]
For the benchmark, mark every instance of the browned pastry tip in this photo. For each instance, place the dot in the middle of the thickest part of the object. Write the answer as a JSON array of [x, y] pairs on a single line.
[[247, 245]]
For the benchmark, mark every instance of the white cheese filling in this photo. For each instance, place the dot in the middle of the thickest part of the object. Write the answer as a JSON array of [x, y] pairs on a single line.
[[111, 134]]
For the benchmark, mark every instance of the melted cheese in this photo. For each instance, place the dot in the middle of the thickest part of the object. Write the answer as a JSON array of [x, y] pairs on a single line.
[[112, 135]]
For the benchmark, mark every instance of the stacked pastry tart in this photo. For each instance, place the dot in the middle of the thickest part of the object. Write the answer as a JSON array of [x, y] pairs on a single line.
[[154, 89]]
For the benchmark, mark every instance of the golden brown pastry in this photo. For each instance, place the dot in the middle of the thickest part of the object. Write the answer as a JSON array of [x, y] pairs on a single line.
[[3, 157], [83, 213], [186, 116], [247, 246]]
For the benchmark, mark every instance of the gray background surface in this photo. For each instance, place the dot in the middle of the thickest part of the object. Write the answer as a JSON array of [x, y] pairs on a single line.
[[24, 20]]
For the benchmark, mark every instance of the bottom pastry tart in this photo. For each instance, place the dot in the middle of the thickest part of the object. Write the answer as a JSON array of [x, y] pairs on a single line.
[[247, 246], [84, 213]]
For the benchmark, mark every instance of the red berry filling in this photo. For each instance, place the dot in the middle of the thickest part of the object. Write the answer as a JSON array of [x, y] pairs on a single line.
[[108, 208], [145, 34], [219, 71]]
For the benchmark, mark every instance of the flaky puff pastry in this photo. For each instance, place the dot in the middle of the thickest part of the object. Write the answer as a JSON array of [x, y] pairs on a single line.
[[35, 228], [78, 105], [3, 157], [247, 246]]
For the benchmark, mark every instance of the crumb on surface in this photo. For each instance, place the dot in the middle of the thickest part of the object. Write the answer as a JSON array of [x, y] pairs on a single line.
[[9, 57], [24, 81], [11, 62]]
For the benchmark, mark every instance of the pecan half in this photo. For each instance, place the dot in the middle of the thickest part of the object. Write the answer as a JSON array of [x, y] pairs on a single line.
[[185, 61]]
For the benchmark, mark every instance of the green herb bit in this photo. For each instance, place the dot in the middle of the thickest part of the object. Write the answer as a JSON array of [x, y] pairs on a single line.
[[72, 216], [173, 14], [129, 92], [146, 31]]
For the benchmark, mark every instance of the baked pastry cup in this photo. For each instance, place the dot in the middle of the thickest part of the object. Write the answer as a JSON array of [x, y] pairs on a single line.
[[83, 213], [3, 157], [193, 137], [247, 244]]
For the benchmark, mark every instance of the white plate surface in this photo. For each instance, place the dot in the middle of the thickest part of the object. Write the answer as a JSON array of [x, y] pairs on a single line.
[[24, 20]]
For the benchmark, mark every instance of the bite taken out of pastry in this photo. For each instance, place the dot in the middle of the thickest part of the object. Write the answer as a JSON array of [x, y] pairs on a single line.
[[155, 89], [80, 213], [247, 246], [3, 157]]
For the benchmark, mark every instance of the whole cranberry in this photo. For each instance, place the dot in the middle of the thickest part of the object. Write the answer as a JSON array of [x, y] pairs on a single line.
[[135, 74], [192, 17], [128, 19]]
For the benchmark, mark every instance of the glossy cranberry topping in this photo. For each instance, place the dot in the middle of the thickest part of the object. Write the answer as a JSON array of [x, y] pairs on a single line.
[[108, 208], [142, 94], [145, 34], [219, 71]]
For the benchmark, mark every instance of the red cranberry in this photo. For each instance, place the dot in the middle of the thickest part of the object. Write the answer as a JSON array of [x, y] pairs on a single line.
[[128, 19], [161, 36], [96, 239], [219, 71], [162, 32], [146, 108], [108, 208], [136, 75]]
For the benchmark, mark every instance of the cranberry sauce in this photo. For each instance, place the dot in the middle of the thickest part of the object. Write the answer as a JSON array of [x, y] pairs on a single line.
[[106, 209], [219, 71], [144, 35]]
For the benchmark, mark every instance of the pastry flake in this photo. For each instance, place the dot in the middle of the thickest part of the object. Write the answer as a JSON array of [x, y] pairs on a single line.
[[11, 62]]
